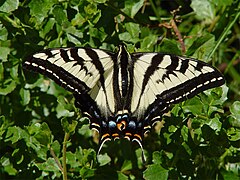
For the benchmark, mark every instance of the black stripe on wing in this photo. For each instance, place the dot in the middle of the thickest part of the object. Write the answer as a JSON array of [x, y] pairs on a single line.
[[56, 73], [96, 61]]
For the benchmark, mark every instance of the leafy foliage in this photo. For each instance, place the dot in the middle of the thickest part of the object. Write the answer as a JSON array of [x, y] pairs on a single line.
[[43, 136]]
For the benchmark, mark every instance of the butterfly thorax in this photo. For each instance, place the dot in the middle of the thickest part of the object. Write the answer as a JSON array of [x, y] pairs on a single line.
[[121, 79]]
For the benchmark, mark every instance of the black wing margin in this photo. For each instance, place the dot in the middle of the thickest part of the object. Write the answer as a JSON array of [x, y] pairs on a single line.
[[44, 63]]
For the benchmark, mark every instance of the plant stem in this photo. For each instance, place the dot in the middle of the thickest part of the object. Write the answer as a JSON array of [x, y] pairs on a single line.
[[224, 34], [64, 150], [56, 159], [155, 10]]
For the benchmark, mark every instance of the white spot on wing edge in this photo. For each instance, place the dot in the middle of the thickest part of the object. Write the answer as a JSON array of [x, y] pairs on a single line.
[[26, 62], [207, 82], [41, 67], [34, 64], [48, 70], [40, 56], [214, 79]]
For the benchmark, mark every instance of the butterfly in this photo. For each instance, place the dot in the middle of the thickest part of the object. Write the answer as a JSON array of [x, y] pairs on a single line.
[[124, 94]]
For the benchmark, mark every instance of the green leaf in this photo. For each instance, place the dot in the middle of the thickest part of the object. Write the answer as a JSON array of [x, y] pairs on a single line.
[[184, 133], [43, 135], [60, 15], [48, 27], [8, 167], [133, 29], [233, 134], [125, 36], [193, 106], [136, 7], [4, 52], [229, 175], [204, 9], [3, 33], [91, 9], [3, 126], [201, 47], [56, 147], [85, 130], [219, 4], [122, 176], [74, 35], [127, 165], [148, 43], [15, 134], [1, 72], [131, 34], [87, 172], [54, 43], [78, 19], [40, 8], [25, 96], [132, 7], [157, 157], [97, 1], [235, 113], [72, 159], [103, 159], [64, 108], [170, 47], [155, 171], [9, 5], [62, 112], [85, 155], [49, 166], [215, 124], [69, 127]]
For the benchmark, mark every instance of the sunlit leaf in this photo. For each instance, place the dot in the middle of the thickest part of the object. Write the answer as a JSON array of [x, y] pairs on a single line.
[[103, 159], [4, 52], [40, 8], [155, 171], [9, 5], [204, 9]]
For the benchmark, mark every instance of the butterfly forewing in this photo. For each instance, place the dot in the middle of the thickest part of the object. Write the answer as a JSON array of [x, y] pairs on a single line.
[[79, 70], [169, 78]]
